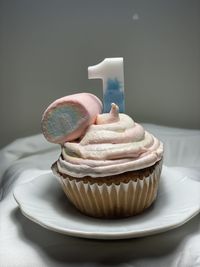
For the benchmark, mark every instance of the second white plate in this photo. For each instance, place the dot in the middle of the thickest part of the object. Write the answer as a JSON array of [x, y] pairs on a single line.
[[43, 201]]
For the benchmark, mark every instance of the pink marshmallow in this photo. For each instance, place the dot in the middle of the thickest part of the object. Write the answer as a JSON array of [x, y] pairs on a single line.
[[67, 118]]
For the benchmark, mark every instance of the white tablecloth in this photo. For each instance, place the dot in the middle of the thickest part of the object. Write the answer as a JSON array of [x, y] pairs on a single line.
[[26, 244]]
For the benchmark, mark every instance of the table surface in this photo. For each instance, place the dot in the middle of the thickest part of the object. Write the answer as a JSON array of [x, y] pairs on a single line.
[[24, 243]]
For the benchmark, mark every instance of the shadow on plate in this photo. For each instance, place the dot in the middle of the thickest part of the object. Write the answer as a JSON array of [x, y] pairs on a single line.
[[64, 249]]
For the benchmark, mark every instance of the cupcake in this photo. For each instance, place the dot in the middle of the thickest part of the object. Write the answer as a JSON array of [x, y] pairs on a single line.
[[112, 168]]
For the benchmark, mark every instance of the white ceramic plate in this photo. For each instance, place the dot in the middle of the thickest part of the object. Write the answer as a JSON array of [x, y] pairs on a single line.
[[43, 201]]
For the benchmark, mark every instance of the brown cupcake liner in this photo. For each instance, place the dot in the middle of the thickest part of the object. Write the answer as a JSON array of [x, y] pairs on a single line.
[[113, 200]]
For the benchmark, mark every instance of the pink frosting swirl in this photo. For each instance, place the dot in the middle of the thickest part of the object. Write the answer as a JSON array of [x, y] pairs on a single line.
[[115, 144]]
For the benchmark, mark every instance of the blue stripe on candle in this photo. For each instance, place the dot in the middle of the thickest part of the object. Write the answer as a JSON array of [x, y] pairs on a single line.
[[114, 93], [114, 84]]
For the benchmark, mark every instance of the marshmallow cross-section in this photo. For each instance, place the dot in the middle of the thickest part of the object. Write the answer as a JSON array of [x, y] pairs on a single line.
[[67, 118]]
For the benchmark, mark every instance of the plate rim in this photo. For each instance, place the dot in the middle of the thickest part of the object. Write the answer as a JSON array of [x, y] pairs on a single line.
[[100, 235]]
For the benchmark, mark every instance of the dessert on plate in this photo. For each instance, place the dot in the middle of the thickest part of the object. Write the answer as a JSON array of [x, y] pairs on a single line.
[[109, 165]]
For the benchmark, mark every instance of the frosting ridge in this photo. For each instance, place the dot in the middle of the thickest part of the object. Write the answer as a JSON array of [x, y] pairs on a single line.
[[113, 145]]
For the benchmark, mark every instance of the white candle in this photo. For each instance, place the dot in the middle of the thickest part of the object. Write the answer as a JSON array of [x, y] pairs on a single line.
[[111, 71]]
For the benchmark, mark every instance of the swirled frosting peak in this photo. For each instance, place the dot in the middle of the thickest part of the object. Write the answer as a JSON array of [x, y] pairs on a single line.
[[113, 145], [106, 118]]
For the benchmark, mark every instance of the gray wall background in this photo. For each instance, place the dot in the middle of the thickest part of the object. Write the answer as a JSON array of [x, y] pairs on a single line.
[[47, 45]]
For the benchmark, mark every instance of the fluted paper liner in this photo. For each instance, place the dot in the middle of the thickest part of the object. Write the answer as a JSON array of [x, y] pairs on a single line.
[[115, 200]]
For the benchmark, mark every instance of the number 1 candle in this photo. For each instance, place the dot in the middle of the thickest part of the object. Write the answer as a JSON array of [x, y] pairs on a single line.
[[111, 71]]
